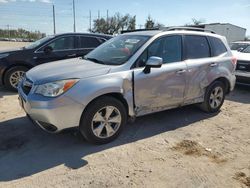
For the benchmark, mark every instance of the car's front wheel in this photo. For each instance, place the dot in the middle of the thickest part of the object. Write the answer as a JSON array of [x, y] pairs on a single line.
[[103, 120], [214, 97], [13, 76]]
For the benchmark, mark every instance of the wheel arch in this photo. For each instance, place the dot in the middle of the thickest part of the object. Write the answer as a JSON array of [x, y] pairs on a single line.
[[115, 95], [225, 81], [12, 66]]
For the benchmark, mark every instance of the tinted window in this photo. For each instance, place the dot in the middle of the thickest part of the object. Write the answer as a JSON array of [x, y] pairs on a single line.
[[63, 43], [196, 47], [89, 42], [168, 48], [101, 40], [237, 46], [247, 50], [217, 45]]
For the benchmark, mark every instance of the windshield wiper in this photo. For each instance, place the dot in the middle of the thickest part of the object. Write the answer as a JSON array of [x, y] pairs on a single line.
[[94, 60]]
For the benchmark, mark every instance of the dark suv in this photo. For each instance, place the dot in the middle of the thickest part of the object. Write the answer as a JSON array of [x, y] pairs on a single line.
[[14, 63]]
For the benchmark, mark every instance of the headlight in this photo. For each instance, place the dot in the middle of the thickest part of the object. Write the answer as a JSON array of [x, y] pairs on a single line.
[[55, 89], [4, 55]]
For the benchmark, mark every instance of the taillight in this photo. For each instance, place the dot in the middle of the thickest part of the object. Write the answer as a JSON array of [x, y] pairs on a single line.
[[234, 61]]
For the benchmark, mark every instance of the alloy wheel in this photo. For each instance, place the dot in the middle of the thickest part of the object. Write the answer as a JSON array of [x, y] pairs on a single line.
[[106, 122], [216, 97], [16, 77]]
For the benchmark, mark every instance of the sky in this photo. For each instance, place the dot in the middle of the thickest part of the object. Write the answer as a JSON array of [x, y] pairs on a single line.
[[37, 14]]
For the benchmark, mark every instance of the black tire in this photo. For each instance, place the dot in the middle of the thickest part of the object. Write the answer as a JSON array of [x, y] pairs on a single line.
[[88, 115], [9, 73], [206, 105]]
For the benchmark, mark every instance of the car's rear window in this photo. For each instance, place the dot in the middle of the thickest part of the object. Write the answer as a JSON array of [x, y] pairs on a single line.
[[238, 45], [217, 46]]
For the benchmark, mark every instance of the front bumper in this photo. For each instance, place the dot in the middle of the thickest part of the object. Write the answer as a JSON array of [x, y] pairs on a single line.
[[242, 77], [51, 114]]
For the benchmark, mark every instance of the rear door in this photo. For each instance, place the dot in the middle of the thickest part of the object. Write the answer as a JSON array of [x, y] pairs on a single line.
[[197, 55], [163, 87], [86, 44], [62, 48]]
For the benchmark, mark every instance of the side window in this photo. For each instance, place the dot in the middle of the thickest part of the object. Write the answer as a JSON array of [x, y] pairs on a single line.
[[217, 46], [101, 40], [172, 49], [196, 47], [88, 42], [168, 48], [63, 43]]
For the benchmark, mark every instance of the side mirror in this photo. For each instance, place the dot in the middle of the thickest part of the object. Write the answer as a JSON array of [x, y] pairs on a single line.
[[48, 49], [152, 62], [240, 49]]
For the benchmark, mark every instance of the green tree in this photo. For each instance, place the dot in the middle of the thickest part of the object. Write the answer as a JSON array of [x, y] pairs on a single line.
[[114, 24], [149, 23]]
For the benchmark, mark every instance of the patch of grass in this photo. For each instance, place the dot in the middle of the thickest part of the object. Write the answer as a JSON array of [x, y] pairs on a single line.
[[243, 178], [192, 148]]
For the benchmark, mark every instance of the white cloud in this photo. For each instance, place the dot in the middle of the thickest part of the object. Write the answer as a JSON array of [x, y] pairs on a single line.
[[7, 1]]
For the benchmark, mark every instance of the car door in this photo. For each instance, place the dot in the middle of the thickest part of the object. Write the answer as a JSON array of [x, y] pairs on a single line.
[[58, 49], [86, 44], [198, 59], [163, 87]]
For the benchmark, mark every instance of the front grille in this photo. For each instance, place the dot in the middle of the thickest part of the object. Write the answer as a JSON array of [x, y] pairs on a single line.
[[26, 85], [243, 65]]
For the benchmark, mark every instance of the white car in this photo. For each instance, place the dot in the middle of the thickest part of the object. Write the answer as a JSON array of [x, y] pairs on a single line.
[[241, 50]]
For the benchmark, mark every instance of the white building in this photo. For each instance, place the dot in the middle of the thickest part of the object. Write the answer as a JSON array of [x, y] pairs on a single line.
[[230, 31]]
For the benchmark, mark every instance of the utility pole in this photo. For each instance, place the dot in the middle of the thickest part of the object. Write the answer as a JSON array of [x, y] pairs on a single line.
[[90, 21], [107, 16], [54, 19], [8, 27], [98, 14], [74, 14]]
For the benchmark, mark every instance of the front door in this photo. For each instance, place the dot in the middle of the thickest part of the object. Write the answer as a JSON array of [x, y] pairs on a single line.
[[163, 87], [61, 48]]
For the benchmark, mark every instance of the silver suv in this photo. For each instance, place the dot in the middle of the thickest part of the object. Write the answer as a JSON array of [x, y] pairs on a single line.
[[131, 75]]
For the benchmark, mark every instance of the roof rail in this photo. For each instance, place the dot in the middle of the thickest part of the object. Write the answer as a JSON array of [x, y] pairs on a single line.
[[135, 30], [188, 29]]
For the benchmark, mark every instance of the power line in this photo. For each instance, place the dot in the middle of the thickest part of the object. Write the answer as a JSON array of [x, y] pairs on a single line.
[[74, 13]]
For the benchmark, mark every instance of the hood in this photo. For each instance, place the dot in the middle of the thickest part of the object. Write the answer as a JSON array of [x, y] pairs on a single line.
[[241, 56], [66, 69]]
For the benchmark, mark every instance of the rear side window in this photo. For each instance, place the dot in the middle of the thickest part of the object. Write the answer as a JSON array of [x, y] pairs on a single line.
[[217, 46], [196, 47], [88, 42]]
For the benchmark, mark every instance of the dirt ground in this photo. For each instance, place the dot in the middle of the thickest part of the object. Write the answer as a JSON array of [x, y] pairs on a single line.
[[176, 148], [5, 45]]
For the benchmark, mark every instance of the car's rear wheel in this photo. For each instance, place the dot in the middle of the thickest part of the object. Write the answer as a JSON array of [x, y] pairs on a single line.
[[103, 120], [13, 76], [214, 97]]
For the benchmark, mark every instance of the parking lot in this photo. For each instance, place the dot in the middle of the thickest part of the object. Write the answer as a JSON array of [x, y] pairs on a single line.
[[176, 148]]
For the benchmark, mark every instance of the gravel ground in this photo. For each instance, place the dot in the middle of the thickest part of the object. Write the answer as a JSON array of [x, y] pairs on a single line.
[[5, 45], [176, 148]]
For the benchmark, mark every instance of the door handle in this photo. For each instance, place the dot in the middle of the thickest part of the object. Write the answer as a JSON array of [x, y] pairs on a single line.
[[181, 71], [213, 64], [72, 55]]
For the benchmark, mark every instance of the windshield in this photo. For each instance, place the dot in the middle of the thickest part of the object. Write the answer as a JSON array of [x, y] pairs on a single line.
[[38, 42], [237, 46], [117, 50], [246, 50]]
